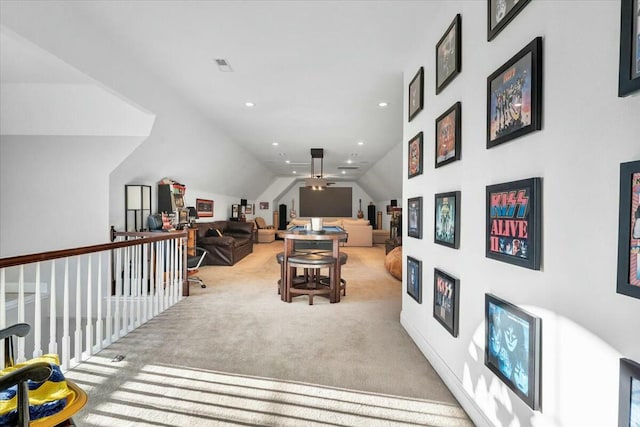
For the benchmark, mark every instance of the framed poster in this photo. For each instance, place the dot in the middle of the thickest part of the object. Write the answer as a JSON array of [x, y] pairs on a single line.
[[449, 135], [264, 206], [500, 13], [629, 395], [447, 219], [415, 217], [415, 155], [629, 230], [204, 208], [414, 279], [512, 348], [514, 96], [416, 94], [446, 295], [514, 222], [629, 69], [449, 54]]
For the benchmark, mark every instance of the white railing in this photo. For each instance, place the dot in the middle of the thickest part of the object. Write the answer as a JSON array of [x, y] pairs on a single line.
[[79, 301]]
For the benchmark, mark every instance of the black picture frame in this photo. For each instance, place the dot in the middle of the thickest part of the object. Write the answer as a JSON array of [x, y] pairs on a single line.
[[514, 222], [512, 348], [414, 225], [514, 96], [629, 68], [629, 394], [449, 54], [446, 300], [449, 136], [500, 13], [628, 282], [446, 223], [416, 156], [416, 94], [414, 278]]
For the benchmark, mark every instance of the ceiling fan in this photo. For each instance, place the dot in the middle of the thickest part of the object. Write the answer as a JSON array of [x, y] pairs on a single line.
[[317, 182]]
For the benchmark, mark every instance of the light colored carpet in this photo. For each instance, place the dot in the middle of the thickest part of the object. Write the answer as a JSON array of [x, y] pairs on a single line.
[[234, 354]]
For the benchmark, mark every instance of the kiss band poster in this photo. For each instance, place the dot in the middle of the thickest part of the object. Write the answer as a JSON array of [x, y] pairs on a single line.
[[514, 222]]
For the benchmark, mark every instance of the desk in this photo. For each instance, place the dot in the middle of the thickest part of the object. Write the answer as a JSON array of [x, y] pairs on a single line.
[[298, 238]]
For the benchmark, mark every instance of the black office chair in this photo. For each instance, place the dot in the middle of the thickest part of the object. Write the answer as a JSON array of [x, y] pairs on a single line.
[[193, 264]]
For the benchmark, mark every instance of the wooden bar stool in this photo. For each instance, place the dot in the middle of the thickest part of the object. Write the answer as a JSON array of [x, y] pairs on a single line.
[[343, 283], [312, 285], [296, 279]]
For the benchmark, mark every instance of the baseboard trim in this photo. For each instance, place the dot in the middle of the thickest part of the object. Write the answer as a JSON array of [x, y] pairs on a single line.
[[448, 377]]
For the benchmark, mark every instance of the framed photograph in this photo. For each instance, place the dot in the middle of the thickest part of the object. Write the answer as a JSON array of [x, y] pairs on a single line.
[[235, 211], [449, 54], [500, 13], [248, 209], [629, 395], [514, 96], [512, 348], [415, 217], [629, 71], [415, 155], [449, 135], [447, 219], [629, 230], [264, 206], [414, 279], [204, 208], [416, 94], [446, 296], [514, 222]]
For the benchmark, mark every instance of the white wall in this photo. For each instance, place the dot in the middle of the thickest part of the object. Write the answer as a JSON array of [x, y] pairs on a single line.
[[587, 132]]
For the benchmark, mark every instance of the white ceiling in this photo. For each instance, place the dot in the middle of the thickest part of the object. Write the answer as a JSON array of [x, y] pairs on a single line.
[[316, 70]]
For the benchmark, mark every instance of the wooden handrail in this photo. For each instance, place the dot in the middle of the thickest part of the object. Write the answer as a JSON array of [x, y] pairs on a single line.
[[45, 256]]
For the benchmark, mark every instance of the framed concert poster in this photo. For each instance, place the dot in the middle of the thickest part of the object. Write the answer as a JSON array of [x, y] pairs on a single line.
[[629, 230], [500, 13], [629, 71], [449, 54], [449, 135], [416, 94], [514, 96], [447, 219], [514, 222], [414, 279], [446, 296], [415, 217], [629, 395], [512, 348], [204, 208], [415, 155]]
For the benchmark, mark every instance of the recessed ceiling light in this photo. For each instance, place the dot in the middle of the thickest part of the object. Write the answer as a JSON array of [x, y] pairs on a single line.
[[349, 161], [360, 142], [344, 172], [295, 172], [382, 104], [274, 143], [287, 161], [249, 104]]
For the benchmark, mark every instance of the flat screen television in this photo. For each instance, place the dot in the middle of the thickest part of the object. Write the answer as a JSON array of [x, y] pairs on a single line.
[[330, 202]]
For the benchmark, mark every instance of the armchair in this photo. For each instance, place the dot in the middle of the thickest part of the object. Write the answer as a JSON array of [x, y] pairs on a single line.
[[266, 233]]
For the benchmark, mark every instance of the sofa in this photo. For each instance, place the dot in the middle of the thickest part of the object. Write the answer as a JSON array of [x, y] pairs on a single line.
[[360, 232], [226, 241]]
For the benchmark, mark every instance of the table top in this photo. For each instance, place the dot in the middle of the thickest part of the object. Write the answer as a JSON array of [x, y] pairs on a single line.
[[299, 232]]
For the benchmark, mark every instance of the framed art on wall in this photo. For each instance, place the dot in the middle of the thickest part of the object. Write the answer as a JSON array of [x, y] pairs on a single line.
[[414, 279], [449, 54], [447, 219], [512, 348], [446, 295], [629, 394], [514, 222], [514, 96], [449, 135], [629, 69], [264, 206], [500, 13], [415, 155], [416, 94], [415, 217], [204, 208], [629, 230]]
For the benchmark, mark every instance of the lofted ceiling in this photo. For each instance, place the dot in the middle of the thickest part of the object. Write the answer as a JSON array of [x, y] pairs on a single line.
[[315, 70]]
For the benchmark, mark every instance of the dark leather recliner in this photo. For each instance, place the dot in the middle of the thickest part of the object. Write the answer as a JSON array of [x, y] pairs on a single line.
[[235, 243]]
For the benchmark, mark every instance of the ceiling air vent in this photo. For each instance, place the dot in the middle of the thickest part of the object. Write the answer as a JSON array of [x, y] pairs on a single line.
[[348, 167], [223, 65]]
